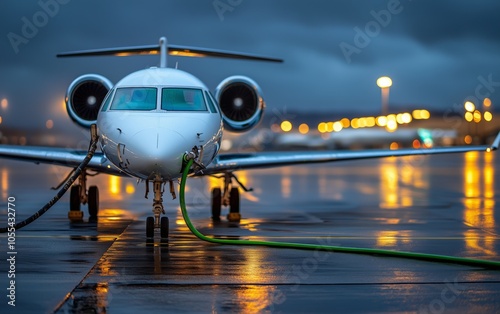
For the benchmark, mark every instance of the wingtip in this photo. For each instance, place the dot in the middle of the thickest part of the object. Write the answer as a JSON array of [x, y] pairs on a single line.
[[496, 142]]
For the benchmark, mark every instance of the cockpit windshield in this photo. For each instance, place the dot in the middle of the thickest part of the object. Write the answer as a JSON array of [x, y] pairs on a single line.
[[182, 99], [131, 98]]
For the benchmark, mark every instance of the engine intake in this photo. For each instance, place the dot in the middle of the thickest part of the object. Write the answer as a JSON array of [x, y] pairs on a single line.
[[241, 103], [84, 98]]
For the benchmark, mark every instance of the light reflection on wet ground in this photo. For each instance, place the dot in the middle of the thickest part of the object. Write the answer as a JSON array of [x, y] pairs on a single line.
[[439, 204]]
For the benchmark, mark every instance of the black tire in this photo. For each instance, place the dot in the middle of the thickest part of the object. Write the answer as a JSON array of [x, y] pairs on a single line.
[[216, 204], [74, 198], [234, 201], [150, 227], [93, 201], [164, 227]]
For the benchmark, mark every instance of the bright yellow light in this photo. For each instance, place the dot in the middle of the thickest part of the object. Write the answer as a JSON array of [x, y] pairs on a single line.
[[370, 122], [322, 127], [114, 185], [345, 123], [4, 103], [477, 116], [406, 117], [488, 116], [468, 116], [417, 114], [286, 126], [469, 106], [362, 122], [0, 120], [382, 121], [329, 127], [337, 126], [49, 124], [392, 125], [130, 188], [303, 128], [399, 118], [354, 123], [394, 146], [425, 114], [468, 139], [384, 82], [487, 102]]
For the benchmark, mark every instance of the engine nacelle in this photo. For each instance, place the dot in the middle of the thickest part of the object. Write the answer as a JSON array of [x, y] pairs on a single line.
[[84, 98], [241, 103]]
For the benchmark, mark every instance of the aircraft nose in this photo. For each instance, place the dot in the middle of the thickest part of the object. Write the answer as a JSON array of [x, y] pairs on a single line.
[[157, 150]]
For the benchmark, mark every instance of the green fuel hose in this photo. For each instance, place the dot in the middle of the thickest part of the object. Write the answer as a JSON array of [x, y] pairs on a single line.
[[417, 256]]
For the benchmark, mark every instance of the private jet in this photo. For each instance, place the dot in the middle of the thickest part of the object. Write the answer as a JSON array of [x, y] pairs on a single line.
[[149, 121]]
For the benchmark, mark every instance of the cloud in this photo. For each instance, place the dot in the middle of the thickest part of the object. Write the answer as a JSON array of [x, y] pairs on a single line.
[[434, 50]]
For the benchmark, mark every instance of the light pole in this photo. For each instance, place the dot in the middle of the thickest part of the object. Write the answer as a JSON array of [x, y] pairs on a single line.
[[384, 83]]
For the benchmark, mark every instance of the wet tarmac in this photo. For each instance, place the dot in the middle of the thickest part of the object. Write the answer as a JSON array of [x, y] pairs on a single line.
[[439, 204]]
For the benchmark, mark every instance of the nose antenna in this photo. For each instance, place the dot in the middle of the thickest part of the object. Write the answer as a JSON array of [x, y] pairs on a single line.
[[163, 52]]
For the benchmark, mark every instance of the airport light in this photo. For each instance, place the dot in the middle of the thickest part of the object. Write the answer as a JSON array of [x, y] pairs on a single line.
[[468, 139], [469, 106], [488, 116], [286, 126], [487, 102], [4, 103], [337, 126], [322, 127], [384, 83], [477, 116], [469, 116], [345, 123], [303, 128]]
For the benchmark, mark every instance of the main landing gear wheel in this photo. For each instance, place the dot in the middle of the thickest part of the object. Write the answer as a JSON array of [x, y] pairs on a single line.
[[79, 195], [234, 206], [93, 201], [216, 204], [150, 227], [75, 214], [164, 227]]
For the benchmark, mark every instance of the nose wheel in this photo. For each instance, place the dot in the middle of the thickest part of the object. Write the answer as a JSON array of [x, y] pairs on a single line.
[[158, 222]]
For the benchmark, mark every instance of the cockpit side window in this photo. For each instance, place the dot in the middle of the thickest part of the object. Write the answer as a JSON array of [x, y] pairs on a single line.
[[107, 100], [131, 98], [211, 104], [182, 99]]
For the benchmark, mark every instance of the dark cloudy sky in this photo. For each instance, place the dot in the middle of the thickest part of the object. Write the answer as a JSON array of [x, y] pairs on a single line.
[[436, 52]]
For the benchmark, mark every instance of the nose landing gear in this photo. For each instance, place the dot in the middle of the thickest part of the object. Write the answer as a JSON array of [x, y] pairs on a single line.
[[158, 222]]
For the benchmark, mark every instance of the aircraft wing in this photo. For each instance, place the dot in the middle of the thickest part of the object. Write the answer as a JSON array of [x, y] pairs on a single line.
[[234, 162], [59, 156]]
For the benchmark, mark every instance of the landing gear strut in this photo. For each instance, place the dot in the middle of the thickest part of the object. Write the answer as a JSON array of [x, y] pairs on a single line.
[[230, 196], [158, 222], [79, 195]]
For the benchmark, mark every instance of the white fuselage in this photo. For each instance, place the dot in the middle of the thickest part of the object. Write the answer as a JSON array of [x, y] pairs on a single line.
[[151, 118]]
